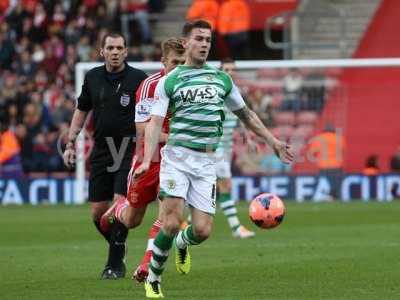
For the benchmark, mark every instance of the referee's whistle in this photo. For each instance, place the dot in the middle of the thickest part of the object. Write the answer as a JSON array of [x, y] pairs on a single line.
[[119, 85]]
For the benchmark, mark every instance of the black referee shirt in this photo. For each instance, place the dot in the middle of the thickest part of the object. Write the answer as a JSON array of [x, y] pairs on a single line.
[[111, 96]]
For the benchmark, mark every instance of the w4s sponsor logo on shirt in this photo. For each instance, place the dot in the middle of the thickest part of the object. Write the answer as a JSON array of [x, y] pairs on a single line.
[[203, 94]]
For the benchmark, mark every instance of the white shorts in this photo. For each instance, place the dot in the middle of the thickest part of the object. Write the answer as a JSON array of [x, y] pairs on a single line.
[[190, 175], [224, 162]]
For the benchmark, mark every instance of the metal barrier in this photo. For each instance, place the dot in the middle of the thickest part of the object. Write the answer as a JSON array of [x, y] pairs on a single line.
[[291, 24]]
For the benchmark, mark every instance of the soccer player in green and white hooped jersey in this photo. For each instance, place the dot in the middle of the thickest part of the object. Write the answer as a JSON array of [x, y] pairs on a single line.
[[224, 161], [195, 94]]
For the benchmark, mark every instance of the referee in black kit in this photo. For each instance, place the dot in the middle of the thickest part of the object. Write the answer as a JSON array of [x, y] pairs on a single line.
[[109, 91]]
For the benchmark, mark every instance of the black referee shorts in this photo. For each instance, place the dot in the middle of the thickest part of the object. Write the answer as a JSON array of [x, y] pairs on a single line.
[[104, 184]]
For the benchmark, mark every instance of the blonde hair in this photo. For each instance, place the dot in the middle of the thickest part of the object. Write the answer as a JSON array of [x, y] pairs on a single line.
[[172, 44]]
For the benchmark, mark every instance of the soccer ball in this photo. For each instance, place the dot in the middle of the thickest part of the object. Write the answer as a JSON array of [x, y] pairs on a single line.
[[267, 210]]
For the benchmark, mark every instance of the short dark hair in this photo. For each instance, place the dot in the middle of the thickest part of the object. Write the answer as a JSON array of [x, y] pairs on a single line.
[[189, 26], [172, 44], [227, 60], [114, 35]]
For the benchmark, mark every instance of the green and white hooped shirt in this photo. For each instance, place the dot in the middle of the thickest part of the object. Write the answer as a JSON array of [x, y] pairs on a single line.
[[196, 98]]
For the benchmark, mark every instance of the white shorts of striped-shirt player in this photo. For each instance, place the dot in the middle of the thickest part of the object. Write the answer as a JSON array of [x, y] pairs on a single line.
[[190, 175]]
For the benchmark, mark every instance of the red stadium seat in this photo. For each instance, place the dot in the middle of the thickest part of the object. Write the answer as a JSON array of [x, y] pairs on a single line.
[[283, 132], [333, 72], [277, 99], [306, 118], [268, 73], [284, 118], [303, 132]]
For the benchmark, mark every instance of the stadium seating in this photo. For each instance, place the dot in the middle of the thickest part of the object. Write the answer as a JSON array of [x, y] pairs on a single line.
[[306, 118], [284, 118], [284, 132]]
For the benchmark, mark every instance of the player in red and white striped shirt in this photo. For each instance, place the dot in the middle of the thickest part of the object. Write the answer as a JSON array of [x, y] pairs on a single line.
[[142, 191]]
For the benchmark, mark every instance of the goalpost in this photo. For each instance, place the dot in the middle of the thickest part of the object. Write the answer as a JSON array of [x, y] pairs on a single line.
[[249, 70]]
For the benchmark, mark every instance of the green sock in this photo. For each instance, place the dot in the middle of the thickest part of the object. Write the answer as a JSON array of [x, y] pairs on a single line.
[[162, 245], [228, 206], [186, 237]]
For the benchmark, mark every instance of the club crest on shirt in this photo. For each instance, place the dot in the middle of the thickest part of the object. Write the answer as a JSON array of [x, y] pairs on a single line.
[[125, 98], [171, 184]]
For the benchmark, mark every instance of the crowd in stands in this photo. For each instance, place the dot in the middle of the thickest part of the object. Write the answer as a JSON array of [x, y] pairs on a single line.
[[37, 93], [289, 102], [40, 43]]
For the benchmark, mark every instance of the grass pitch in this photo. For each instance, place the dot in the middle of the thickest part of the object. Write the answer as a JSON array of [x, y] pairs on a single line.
[[321, 251]]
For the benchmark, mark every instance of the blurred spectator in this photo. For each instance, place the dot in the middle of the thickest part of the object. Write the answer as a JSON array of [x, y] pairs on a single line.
[[395, 161], [135, 10], [147, 51], [234, 26], [111, 7], [51, 62], [4, 4], [42, 111], [90, 4], [6, 51], [271, 164], [371, 166], [204, 9], [58, 19], [10, 158], [156, 6], [135, 54], [261, 104], [292, 88], [16, 18], [157, 53], [64, 110], [25, 66], [327, 149], [72, 33], [13, 116], [23, 45], [39, 24], [30, 5], [54, 159], [40, 153], [9, 90], [248, 163], [81, 17], [32, 127], [38, 53], [83, 48], [314, 90], [102, 18], [56, 45], [395, 167]]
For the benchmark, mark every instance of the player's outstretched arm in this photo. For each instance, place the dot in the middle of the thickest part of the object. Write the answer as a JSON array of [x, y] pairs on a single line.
[[253, 122], [78, 119], [151, 139]]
